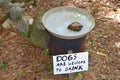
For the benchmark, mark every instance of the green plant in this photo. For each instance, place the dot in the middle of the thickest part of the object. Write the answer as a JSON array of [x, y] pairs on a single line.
[[95, 61], [30, 3], [50, 66], [45, 52], [25, 43], [103, 76], [37, 69], [51, 57], [73, 79], [94, 38], [4, 65], [103, 67], [21, 72], [25, 34], [79, 74], [89, 50]]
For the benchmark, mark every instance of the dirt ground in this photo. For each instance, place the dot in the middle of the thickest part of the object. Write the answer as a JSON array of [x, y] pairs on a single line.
[[20, 60]]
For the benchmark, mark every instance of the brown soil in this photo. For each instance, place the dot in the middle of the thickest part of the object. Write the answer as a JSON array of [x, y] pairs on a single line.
[[20, 60]]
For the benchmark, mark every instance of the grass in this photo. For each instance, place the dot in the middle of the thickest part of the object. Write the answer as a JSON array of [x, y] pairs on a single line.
[[50, 66], [25, 43], [89, 50], [73, 79], [79, 74], [37, 69], [45, 52], [103, 67], [30, 3], [4, 66], [110, 61], [103, 77], [21, 72], [25, 34]]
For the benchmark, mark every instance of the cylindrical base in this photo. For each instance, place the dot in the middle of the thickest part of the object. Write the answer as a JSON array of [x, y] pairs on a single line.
[[61, 46]]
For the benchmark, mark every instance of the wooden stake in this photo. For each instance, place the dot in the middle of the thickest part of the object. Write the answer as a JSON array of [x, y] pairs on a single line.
[[70, 75]]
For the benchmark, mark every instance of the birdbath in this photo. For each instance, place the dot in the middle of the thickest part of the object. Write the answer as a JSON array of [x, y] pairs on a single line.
[[63, 40], [57, 20]]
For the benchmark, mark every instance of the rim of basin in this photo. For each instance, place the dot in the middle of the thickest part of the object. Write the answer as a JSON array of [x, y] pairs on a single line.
[[47, 21]]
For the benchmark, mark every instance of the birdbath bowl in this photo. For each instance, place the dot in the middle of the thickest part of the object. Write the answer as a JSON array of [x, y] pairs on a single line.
[[56, 21], [62, 39]]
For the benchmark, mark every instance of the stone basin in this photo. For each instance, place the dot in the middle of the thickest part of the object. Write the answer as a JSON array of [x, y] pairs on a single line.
[[62, 39], [56, 21]]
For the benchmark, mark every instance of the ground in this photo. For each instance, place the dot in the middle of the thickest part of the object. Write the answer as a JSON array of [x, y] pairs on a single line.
[[20, 60]]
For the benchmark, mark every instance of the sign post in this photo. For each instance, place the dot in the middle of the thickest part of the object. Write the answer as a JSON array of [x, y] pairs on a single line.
[[70, 75]]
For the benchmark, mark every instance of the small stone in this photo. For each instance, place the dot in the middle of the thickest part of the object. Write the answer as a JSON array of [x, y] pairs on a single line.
[[16, 13], [23, 26], [101, 54], [30, 21], [118, 54], [75, 26], [8, 24], [117, 44], [30, 7], [16, 10], [99, 44], [105, 36], [11, 34]]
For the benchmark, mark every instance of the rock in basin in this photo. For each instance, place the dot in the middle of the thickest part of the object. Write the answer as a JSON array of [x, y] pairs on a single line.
[[75, 26]]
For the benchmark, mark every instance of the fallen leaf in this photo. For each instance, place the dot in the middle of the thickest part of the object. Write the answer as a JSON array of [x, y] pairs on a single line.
[[101, 54]]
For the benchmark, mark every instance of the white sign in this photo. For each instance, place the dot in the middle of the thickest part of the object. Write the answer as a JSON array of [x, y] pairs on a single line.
[[70, 63]]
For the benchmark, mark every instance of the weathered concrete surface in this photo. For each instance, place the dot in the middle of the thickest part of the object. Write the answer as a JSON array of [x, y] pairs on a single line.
[[38, 34]]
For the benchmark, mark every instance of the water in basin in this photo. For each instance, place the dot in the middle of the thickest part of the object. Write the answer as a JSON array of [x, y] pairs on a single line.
[[58, 22]]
